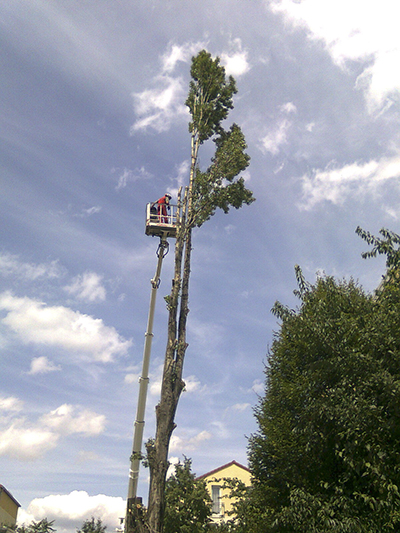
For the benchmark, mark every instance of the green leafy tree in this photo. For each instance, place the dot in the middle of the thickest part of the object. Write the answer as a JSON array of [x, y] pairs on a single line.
[[92, 526], [388, 245], [187, 502], [209, 101], [326, 457], [42, 526], [243, 514]]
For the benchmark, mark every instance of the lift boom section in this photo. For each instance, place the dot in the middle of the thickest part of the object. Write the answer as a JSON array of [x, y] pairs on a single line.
[[162, 228]]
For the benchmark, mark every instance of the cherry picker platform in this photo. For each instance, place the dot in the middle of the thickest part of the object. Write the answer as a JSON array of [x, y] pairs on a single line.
[[158, 223]]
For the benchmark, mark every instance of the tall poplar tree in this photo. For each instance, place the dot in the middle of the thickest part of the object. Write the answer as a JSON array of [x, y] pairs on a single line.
[[209, 101]]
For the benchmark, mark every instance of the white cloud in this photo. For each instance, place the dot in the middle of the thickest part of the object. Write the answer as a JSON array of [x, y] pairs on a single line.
[[182, 173], [11, 404], [381, 81], [155, 379], [258, 386], [206, 335], [192, 384], [123, 179], [221, 429], [158, 107], [84, 456], [235, 61], [229, 229], [289, 107], [279, 168], [173, 461], [337, 184], [68, 419], [240, 407], [182, 53], [41, 365], [235, 65], [172, 56], [90, 211], [34, 322], [130, 176], [353, 30], [23, 440], [70, 510], [392, 213], [188, 444], [278, 135], [26, 443], [87, 287], [131, 378], [246, 175], [10, 265], [276, 138]]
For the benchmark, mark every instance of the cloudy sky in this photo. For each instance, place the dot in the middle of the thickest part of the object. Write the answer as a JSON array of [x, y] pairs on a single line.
[[93, 126]]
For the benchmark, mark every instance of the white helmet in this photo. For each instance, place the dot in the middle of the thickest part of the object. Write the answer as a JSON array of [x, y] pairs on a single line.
[[168, 195]]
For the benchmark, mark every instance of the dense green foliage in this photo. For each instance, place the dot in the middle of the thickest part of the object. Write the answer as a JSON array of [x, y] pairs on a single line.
[[42, 526], [210, 96], [217, 187], [389, 245], [92, 526], [209, 100], [326, 457], [187, 502], [46, 526]]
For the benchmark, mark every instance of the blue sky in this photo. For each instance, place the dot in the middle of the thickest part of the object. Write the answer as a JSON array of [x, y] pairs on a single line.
[[93, 126]]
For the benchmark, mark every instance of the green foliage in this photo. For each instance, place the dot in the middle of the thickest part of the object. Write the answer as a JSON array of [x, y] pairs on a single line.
[[210, 96], [43, 526], [92, 526], [209, 102], [389, 246], [187, 502], [216, 187], [244, 514], [326, 457], [150, 451]]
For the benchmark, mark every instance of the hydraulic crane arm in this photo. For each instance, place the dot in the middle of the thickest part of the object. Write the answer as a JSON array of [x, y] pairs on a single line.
[[144, 381]]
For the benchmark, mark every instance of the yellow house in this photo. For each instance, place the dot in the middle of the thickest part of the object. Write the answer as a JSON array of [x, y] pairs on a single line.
[[8, 509], [222, 501]]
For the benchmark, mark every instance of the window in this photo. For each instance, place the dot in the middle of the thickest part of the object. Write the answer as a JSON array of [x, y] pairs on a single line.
[[216, 499]]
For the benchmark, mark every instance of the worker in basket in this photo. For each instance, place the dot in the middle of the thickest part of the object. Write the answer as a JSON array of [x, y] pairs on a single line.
[[162, 207]]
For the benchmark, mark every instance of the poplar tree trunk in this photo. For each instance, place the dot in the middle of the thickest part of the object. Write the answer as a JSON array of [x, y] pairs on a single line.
[[172, 383]]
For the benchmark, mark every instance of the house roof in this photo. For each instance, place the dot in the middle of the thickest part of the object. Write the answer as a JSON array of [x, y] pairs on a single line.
[[212, 472], [3, 489]]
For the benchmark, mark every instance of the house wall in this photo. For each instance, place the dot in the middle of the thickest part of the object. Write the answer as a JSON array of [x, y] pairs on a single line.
[[8, 510], [216, 479]]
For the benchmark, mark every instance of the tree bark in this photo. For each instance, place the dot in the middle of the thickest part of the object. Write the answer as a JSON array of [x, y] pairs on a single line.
[[172, 383]]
